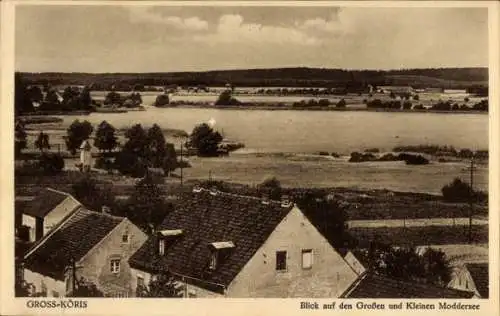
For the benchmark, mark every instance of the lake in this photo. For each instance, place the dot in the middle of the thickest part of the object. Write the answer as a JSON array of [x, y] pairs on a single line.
[[312, 131], [305, 133]]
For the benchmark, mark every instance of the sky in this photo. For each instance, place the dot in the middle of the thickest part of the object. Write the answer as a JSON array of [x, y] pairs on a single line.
[[63, 38]]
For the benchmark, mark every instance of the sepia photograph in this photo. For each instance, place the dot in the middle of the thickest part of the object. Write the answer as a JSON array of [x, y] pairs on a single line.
[[251, 151]]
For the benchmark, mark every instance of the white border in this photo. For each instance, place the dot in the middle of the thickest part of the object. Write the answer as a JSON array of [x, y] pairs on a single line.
[[10, 305]]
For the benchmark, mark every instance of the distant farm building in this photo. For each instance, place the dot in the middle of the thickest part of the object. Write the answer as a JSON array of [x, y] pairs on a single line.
[[396, 89]]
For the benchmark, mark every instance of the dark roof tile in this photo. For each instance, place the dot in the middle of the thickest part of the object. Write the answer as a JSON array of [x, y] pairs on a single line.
[[373, 285], [44, 202], [205, 218], [72, 240], [479, 273]]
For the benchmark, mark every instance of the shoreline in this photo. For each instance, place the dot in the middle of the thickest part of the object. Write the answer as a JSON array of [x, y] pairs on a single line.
[[290, 108]]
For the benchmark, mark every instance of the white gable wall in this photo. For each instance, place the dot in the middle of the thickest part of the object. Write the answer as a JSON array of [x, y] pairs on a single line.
[[329, 276], [55, 216], [37, 281]]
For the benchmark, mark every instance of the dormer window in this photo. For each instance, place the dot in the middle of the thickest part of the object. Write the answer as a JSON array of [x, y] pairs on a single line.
[[219, 250], [161, 247], [165, 238]]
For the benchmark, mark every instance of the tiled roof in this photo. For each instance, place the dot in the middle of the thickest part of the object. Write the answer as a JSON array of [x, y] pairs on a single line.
[[72, 240], [479, 273], [371, 285], [206, 218], [44, 202]]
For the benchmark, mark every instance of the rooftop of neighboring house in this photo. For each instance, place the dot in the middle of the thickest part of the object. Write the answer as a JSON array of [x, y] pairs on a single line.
[[207, 220], [371, 285], [45, 202], [72, 239], [479, 273]]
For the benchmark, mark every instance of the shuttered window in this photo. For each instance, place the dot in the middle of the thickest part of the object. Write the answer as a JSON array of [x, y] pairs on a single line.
[[281, 260], [307, 259]]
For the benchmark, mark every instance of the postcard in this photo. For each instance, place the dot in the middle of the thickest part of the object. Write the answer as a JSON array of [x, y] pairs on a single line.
[[250, 157]]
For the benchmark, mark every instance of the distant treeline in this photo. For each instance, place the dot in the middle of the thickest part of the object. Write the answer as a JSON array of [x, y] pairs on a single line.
[[447, 78]]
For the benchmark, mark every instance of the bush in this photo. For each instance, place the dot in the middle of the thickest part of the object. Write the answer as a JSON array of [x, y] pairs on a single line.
[[161, 100], [359, 157], [457, 191], [372, 150], [413, 159], [51, 163], [341, 103]]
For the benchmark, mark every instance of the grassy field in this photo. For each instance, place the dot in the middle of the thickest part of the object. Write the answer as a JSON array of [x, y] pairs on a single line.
[[420, 236]]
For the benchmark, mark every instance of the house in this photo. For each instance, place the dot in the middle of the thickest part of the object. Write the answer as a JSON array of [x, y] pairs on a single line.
[[371, 285], [471, 277], [220, 244], [47, 209], [85, 245], [396, 89], [85, 156]]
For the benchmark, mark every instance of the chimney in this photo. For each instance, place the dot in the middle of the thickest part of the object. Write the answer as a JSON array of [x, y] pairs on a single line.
[[213, 190], [285, 201], [265, 198], [106, 210]]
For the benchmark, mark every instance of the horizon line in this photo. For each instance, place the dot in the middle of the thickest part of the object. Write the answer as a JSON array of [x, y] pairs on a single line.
[[251, 69]]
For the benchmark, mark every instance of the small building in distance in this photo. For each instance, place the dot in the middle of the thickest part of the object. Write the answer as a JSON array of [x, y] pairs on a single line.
[[85, 156], [471, 277], [86, 247], [398, 90], [371, 286], [45, 211], [225, 245]]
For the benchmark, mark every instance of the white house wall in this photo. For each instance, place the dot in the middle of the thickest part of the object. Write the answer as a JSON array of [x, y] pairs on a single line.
[[55, 216], [51, 284], [31, 223], [329, 276]]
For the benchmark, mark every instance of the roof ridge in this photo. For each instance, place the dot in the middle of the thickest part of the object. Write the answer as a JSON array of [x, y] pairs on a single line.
[[250, 197]]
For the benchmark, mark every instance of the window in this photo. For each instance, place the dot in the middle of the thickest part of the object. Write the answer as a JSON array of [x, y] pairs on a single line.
[[125, 238], [161, 247], [115, 265], [55, 294], [280, 260], [191, 293], [213, 261], [307, 259], [140, 281]]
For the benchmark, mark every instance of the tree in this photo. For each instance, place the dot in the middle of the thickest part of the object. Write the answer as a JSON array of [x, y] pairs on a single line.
[[156, 147], [341, 103], [51, 163], [19, 137], [405, 263], [226, 98], [327, 215], [85, 288], [85, 99], [271, 187], [87, 191], [161, 100], [163, 285], [392, 95], [170, 162], [137, 140], [457, 191], [77, 133], [42, 141], [105, 138], [113, 98], [146, 205], [416, 97], [22, 102], [51, 101], [205, 140]]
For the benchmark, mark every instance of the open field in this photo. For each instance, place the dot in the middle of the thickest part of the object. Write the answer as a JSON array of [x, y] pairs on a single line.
[[420, 236]]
